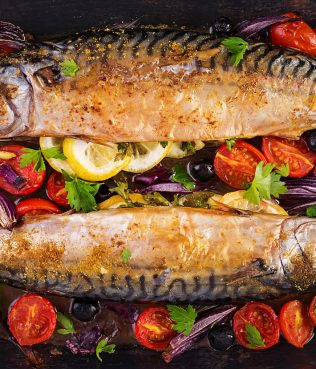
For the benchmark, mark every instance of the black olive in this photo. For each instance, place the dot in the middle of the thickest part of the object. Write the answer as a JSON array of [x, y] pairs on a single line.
[[311, 140], [201, 170], [103, 193], [85, 310], [221, 337], [221, 26]]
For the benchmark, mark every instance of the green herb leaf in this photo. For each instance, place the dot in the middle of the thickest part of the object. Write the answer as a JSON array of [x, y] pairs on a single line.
[[156, 198], [253, 336], [283, 170], [265, 183], [163, 143], [188, 146], [184, 319], [34, 157], [180, 175], [126, 255], [237, 47], [311, 211], [103, 346], [69, 68], [66, 323], [230, 143], [176, 200], [81, 193], [121, 189], [54, 152]]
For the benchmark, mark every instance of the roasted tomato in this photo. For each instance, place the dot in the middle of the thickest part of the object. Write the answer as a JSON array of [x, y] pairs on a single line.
[[36, 206], [312, 310], [153, 328], [33, 179], [32, 319], [296, 326], [56, 189], [296, 153], [256, 326], [238, 165], [297, 34]]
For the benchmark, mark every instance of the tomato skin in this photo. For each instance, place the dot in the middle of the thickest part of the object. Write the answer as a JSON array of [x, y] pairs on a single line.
[[296, 152], [56, 189], [34, 179], [32, 319], [297, 35], [312, 308], [237, 166], [261, 316], [36, 206], [295, 324], [160, 334]]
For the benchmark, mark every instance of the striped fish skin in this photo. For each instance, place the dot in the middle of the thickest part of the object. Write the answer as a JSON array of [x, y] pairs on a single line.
[[177, 254], [156, 85]]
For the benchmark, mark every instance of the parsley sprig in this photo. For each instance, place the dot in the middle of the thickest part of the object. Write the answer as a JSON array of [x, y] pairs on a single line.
[[236, 47], [66, 323], [230, 143], [103, 346], [184, 319], [126, 255], [265, 183], [180, 175], [69, 68], [311, 211], [253, 336]]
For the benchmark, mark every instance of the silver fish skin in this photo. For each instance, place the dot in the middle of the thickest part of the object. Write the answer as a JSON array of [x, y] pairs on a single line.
[[177, 254], [155, 85]]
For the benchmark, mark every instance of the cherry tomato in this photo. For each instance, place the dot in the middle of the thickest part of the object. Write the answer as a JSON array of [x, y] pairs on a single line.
[[298, 35], [295, 324], [36, 206], [295, 152], [153, 328], [312, 310], [56, 189], [260, 316], [32, 319], [238, 165], [34, 180]]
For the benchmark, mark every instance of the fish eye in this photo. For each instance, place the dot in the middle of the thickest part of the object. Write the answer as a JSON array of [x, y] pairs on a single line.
[[48, 76]]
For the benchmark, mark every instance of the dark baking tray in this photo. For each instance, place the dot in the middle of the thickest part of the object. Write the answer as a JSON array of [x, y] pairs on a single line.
[[49, 18]]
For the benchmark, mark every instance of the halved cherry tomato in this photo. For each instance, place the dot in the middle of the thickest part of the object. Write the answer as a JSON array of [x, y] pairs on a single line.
[[312, 310], [238, 165], [297, 34], [34, 180], [32, 319], [296, 326], [56, 189], [295, 152], [153, 328], [263, 318], [36, 206]]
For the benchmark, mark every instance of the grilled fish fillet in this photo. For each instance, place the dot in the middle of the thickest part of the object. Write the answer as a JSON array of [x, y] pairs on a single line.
[[155, 85]]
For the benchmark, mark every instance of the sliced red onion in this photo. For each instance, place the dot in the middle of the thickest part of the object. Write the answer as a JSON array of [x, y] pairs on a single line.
[[11, 176], [8, 216], [12, 38], [248, 28], [182, 343], [152, 176], [165, 187]]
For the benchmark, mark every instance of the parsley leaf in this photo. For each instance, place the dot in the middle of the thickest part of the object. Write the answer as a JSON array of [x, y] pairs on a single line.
[[311, 211], [163, 143], [237, 47], [35, 157], [283, 170], [69, 68], [253, 336], [188, 146], [156, 198], [265, 183], [121, 189], [54, 152], [81, 193], [184, 319], [66, 323], [126, 254], [103, 346], [230, 143], [180, 175]]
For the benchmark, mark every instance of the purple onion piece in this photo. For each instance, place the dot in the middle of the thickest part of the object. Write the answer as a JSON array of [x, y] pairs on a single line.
[[248, 28], [165, 187], [158, 173], [8, 216], [12, 31], [11, 176], [182, 343]]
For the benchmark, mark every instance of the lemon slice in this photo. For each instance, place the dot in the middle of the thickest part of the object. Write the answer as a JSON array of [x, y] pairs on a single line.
[[57, 164], [236, 200], [145, 155], [116, 201], [94, 162], [182, 149]]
